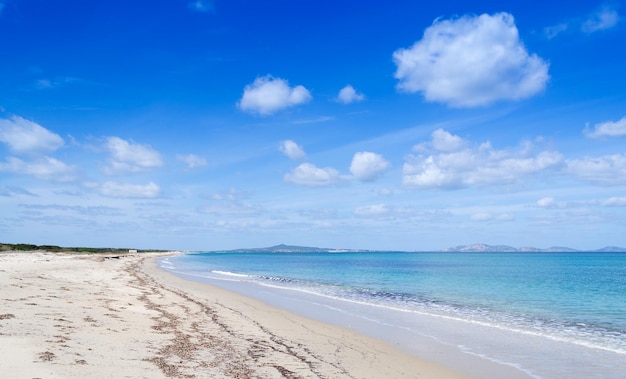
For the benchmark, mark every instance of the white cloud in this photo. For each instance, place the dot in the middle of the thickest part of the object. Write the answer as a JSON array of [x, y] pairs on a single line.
[[267, 95], [349, 95], [367, 166], [445, 141], [604, 18], [26, 137], [292, 150], [482, 165], [313, 120], [615, 202], [608, 129], [192, 161], [46, 168], [308, 174], [373, 210], [130, 157], [115, 189], [604, 170], [546, 202], [553, 31], [471, 61], [551, 203]]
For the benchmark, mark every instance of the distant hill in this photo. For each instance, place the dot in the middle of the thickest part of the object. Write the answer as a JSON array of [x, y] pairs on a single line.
[[612, 249]]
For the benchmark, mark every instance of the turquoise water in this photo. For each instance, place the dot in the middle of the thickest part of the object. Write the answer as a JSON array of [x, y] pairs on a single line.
[[576, 301]]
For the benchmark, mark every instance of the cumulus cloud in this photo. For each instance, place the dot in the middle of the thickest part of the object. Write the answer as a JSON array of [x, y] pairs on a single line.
[[604, 18], [349, 95], [471, 61], [473, 166], [292, 150], [307, 174], [604, 170], [115, 189], [26, 137], [445, 141], [192, 161], [367, 166], [130, 156], [607, 129], [267, 95], [46, 168], [442, 140]]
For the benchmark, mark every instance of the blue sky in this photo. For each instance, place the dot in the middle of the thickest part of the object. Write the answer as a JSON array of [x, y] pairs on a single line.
[[201, 125]]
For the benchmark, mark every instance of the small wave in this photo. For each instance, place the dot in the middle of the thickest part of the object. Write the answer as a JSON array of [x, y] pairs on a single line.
[[165, 264], [583, 335], [228, 273]]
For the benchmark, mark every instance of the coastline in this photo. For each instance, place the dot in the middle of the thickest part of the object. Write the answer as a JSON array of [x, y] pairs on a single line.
[[74, 315]]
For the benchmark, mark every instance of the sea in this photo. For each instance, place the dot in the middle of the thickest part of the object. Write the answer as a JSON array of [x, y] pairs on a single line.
[[536, 314]]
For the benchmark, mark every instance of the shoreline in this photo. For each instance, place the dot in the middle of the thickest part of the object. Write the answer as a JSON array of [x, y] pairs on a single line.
[[75, 315], [359, 320]]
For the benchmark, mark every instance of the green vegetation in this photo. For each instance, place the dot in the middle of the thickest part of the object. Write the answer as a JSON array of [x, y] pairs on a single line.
[[52, 248]]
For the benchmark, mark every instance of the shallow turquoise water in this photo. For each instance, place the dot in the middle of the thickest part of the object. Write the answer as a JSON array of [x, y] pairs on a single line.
[[573, 298]]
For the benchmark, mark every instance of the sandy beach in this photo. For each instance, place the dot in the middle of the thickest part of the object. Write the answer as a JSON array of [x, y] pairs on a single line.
[[119, 316]]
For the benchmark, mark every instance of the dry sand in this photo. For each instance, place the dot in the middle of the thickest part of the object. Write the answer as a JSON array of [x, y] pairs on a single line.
[[98, 316]]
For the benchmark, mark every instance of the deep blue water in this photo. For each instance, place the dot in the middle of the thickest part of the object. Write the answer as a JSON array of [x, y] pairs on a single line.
[[573, 298]]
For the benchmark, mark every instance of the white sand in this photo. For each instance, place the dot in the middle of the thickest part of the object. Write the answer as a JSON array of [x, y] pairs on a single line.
[[78, 316]]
